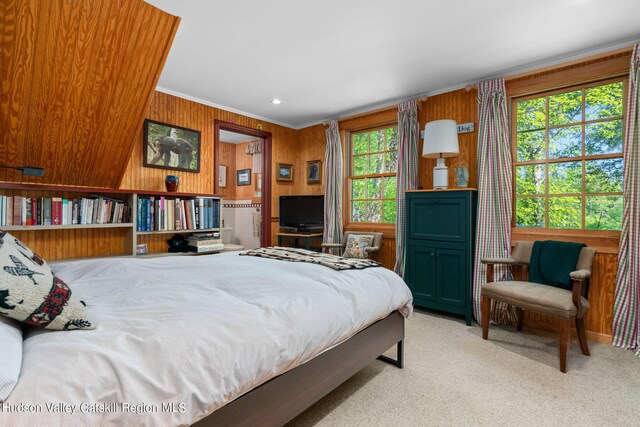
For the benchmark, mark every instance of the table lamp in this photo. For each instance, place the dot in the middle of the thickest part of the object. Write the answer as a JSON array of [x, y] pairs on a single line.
[[440, 141]]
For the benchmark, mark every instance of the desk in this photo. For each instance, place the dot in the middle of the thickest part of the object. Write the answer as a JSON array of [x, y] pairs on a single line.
[[300, 236]]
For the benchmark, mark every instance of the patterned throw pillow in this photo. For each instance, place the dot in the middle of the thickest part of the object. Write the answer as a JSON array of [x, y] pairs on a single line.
[[32, 294], [356, 244]]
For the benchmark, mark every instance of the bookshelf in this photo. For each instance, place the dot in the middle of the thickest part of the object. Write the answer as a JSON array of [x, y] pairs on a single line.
[[103, 239]]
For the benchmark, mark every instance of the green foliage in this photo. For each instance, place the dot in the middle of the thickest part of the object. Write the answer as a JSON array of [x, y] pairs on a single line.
[[565, 108], [603, 137], [564, 142], [603, 101], [531, 114], [603, 212], [530, 212], [565, 212], [530, 179], [564, 126], [373, 198], [565, 178], [603, 176]]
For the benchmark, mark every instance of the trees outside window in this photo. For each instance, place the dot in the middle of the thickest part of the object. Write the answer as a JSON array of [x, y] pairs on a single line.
[[372, 180], [568, 157]]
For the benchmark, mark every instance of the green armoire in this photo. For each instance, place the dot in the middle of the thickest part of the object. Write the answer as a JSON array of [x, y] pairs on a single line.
[[440, 234]]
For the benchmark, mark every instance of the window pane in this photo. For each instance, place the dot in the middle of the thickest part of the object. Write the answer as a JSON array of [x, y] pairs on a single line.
[[374, 188], [603, 101], [391, 161], [374, 211], [390, 187], [359, 165], [603, 213], [530, 146], [377, 141], [358, 189], [392, 139], [530, 179], [565, 212], [361, 143], [565, 142], [358, 211], [390, 211], [375, 163], [565, 108], [565, 178], [531, 114], [529, 212], [603, 137], [603, 176]]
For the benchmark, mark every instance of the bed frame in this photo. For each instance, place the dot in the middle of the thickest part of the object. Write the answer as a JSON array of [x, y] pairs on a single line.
[[282, 398]]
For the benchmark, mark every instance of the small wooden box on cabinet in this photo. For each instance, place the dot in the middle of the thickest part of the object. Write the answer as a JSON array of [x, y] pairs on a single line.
[[440, 235]]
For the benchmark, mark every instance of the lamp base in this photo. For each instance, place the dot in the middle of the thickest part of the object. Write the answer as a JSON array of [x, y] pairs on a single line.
[[440, 175]]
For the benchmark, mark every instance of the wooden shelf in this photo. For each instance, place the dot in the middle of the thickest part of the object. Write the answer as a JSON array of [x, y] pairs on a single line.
[[64, 227], [204, 230]]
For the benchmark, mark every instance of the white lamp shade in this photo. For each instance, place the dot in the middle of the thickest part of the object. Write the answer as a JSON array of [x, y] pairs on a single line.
[[440, 139]]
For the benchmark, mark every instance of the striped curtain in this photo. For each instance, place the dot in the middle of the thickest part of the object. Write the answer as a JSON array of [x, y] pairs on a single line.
[[333, 186], [626, 309], [407, 176], [493, 230]]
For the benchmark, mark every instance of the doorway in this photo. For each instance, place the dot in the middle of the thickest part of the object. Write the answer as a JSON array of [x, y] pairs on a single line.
[[245, 180]]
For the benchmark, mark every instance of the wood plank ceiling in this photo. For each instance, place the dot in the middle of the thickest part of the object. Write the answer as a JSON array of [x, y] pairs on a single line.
[[76, 79]]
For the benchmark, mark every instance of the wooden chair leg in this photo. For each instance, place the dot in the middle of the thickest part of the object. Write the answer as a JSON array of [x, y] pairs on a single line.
[[563, 348], [582, 337], [486, 314], [520, 316]]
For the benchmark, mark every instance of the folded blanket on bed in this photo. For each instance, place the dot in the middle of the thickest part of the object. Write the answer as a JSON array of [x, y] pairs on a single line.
[[303, 255]]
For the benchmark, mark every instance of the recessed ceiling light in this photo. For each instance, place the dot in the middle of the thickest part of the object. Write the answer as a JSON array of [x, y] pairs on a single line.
[[276, 101]]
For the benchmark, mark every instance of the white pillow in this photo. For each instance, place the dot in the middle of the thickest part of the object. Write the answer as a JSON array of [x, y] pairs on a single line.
[[30, 293], [10, 355]]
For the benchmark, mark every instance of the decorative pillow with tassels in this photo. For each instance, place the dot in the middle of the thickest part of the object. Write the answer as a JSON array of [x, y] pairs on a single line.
[[32, 294], [356, 245]]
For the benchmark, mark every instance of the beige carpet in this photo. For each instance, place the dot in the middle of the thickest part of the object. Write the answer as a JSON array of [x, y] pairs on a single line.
[[453, 377]]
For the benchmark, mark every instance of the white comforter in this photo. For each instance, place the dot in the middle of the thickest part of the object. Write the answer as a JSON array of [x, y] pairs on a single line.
[[189, 333]]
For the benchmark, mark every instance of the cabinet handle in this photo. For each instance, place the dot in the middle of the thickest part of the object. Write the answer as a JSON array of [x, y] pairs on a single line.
[[433, 254], [437, 255]]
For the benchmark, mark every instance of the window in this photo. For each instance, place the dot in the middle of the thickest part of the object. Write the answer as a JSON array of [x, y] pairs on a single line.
[[372, 181], [568, 158]]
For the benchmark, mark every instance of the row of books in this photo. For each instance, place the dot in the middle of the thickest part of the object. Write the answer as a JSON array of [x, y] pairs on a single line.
[[164, 214], [28, 211]]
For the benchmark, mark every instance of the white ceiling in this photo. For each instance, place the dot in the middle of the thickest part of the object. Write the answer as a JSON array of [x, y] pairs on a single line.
[[330, 58], [233, 137]]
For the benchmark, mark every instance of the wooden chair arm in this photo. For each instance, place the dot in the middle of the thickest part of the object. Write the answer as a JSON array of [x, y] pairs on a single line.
[[331, 245], [576, 295]]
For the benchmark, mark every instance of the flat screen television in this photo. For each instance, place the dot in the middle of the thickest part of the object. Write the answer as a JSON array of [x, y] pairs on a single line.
[[302, 214]]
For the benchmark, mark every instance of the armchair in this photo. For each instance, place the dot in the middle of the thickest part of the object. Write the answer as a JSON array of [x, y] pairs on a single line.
[[562, 303], [375, 246]]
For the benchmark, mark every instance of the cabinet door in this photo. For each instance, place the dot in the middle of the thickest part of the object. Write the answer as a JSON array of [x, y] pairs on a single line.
[[451, 276], [422, 278], [439, 218]]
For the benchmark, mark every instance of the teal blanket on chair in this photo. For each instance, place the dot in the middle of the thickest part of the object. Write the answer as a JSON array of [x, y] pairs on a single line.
[[552, 261]]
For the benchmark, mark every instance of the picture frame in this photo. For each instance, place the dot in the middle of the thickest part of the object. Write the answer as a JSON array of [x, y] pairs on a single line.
[[243, 177], [142, 249], [284, 172], [314, 172], [171, 147], [222, 176]]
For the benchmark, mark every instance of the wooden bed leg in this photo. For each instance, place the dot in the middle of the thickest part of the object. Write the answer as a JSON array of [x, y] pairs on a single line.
[[399, 360]]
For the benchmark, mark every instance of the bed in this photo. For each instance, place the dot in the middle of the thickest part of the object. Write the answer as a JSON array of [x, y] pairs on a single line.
[[211, 340]]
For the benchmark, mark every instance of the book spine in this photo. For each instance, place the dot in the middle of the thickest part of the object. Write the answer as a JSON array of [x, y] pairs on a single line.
[[65, 219]]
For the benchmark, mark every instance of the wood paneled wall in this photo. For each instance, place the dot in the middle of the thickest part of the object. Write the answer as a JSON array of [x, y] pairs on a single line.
[[75, 81], [228, 158], [182, 112]]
